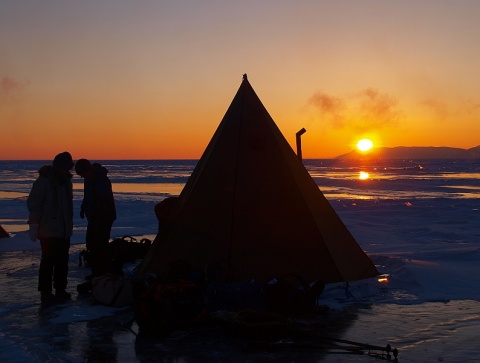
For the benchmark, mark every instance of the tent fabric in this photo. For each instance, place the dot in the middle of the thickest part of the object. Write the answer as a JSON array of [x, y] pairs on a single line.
[[252, 207], [3, 233]]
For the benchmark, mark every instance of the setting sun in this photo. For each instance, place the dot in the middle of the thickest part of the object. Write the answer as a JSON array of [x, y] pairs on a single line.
[[364, 145]]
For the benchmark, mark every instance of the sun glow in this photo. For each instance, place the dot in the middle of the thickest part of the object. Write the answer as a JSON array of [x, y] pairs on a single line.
[[363, 175], [364, 145]]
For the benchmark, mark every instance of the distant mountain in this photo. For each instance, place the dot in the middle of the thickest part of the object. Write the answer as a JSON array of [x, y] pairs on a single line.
[[415, 152]]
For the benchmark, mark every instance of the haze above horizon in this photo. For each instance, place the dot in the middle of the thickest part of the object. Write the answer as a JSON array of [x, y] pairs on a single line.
[[152, 80], [409, 152]]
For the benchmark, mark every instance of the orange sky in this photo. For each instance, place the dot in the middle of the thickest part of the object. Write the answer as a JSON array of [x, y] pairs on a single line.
[[153, 79]]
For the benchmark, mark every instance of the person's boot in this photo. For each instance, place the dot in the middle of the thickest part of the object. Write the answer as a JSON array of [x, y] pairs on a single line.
[[84, 288], [63, 295], [46, 297]]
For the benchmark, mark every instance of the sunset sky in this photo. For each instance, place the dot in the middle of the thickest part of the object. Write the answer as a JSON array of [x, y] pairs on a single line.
[[117, 79]]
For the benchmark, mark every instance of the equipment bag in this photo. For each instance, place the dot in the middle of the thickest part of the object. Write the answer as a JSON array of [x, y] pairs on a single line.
[[163, 307], [112, 290], [128, 249]]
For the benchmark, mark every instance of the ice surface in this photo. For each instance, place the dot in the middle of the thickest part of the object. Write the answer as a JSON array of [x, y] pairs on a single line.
[[428, 250]]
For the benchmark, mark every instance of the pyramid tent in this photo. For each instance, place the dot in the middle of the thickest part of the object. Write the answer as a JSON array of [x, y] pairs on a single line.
[[3, 233], [251, 205]]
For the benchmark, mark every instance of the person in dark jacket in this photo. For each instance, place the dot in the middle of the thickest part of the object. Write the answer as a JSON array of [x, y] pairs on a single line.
[[50, 205], [98, 206]]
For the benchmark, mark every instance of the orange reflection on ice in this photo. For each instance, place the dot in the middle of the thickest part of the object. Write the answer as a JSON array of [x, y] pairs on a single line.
[[363, 175], [142, 188], [383, 279]]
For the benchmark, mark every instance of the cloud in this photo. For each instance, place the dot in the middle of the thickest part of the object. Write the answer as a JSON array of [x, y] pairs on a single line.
[[327, 103], [439, 108], [364, 110], [472, 106], [10, 88], [330, 106], [446, 110]]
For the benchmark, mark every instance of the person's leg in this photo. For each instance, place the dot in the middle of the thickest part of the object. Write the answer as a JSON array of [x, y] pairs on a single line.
[[45, 273], [92, 247], [105, 252], [60, 273], [98, 236]]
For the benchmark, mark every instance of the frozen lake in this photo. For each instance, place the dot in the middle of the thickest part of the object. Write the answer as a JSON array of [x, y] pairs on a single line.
[[418, 221]]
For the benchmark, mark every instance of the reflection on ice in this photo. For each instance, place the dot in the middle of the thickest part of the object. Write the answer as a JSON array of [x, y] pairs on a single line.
[[150, 188], [363, 175], [336, 178]]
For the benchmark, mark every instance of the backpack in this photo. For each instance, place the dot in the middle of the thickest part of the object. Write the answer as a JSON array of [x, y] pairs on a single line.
[[128, 249], [112, 290]]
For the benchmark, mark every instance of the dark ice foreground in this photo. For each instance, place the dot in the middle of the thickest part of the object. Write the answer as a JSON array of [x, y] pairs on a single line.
[[82, 331]]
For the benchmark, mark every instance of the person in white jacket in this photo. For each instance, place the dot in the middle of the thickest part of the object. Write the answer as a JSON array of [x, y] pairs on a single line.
[[50, 204]]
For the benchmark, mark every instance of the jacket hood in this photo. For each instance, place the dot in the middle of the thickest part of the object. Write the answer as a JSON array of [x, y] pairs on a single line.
[[99, 169], [45, 170], [51, 171]]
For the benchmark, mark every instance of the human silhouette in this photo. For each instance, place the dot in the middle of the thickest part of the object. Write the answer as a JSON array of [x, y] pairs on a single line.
[[50, 205], [98, 206]]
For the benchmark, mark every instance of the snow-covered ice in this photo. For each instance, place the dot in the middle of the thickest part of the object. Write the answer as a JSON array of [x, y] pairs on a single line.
[[427, 304]]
